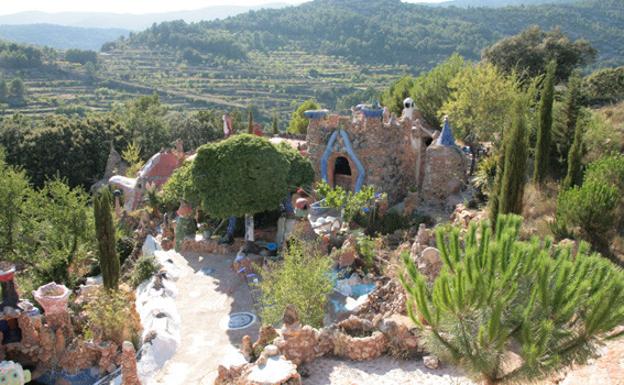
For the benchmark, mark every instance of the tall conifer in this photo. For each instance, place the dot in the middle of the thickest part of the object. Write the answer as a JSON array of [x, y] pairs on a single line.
[[105, 232], [574, 175], [542, 147], [516, 152]]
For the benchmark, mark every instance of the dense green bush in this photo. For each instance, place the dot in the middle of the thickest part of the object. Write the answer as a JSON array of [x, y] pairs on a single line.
[[605, 85], [48, 231], [610, 170], [496, 294], [303, 279], [244, 174], [589, 212], [109, 317], [298, 122], [530, 51], [81, 56], [16, 56], [432, 89], [76, 149], [179, 187], [144, 268], [301, 173]]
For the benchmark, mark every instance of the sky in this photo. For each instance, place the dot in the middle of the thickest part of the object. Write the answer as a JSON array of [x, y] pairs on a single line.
[[129, 6]]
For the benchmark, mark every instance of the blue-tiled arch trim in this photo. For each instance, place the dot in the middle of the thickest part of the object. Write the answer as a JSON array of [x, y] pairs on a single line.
[[359, 182]]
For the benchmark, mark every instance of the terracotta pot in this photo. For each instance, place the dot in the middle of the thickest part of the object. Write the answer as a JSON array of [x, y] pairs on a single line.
[[7, 273], [52, 297], [185, 210]]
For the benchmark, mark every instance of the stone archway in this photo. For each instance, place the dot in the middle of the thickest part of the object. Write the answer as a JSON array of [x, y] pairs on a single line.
[[342, 171]]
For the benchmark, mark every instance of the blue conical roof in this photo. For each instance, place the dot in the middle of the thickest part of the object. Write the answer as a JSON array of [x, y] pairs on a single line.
[[446, 136]]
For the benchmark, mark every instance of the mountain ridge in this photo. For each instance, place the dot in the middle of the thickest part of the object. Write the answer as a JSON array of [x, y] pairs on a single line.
[[128, 21]]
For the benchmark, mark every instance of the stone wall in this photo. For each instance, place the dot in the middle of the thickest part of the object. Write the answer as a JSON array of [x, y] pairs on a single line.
[[383, 148], [445, 172]]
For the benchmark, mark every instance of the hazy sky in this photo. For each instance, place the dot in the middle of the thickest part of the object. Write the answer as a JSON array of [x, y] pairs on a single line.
[[130, 6]]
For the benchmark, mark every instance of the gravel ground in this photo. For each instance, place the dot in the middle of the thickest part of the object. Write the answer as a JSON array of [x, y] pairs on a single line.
[[383, 371]]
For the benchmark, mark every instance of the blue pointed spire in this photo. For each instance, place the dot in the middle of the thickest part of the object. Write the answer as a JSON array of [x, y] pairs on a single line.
[[446, 136]]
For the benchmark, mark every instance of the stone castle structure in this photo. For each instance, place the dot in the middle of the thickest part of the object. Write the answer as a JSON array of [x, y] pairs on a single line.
[[400, 156]]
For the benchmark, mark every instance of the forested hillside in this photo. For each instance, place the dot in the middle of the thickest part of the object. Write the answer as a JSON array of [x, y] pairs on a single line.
[[63, 37], [338, 52], [388, 31]]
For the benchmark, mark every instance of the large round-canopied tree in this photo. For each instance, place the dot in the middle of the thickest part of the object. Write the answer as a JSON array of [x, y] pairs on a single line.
[[242, 175]]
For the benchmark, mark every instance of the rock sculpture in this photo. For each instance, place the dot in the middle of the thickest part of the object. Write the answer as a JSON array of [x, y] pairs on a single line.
[[12, 373]]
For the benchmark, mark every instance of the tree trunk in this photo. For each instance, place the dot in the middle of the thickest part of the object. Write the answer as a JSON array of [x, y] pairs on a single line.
[[473, 161]]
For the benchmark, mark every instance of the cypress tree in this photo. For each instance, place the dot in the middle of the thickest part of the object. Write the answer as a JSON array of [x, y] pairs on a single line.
[[574, 175], [250, 129], [105, 232], [571, 103], [274, 124], [542, 147], [516, 152], [495, 194]]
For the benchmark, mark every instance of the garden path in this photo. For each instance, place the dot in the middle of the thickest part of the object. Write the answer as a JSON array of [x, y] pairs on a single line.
[[208, 292]]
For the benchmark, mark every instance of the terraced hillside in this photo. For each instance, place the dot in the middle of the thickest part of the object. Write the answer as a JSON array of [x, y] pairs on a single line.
[[268, 81]]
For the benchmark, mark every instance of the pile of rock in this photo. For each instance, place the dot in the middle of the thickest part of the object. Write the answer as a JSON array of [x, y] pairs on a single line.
[[386, 300], [354, 339], [462, 215]]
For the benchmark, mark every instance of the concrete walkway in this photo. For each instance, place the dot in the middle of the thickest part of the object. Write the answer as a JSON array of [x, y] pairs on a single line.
[[208, 292]]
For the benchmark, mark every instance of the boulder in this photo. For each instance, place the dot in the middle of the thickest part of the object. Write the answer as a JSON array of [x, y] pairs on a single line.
[[431, 362], [428, 262], [402, 335], [348, 253]]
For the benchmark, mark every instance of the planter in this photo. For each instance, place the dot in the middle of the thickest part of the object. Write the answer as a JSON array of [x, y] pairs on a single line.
[[53, 298], [9, 294], [357, 340], [7, 273], [315, 114]]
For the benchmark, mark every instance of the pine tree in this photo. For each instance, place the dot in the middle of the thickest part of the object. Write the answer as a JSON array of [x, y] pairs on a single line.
[[274, 124], [542, 147], [495, 290], [250, 122], [105, 232], [516, 152], [574, 175]]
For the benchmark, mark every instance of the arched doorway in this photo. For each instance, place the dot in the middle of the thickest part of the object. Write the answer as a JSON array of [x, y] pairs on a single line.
[[342, 173]]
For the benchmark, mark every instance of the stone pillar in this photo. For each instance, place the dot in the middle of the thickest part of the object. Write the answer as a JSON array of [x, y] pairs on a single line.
[[129, 374], [249, 228]]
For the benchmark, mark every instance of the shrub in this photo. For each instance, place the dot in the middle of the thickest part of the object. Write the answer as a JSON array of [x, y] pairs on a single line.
[[144, 268], [243, 174], [496, 294], [349, 202], [589, 212], [301, 173], [179, 187], [610, 170], [366, 250], [298, 122], [302, 280], [110, 317]]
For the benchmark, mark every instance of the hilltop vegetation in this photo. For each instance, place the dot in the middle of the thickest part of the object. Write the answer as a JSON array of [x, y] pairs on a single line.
[[338, 53], [389, 31], [60, 36]]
